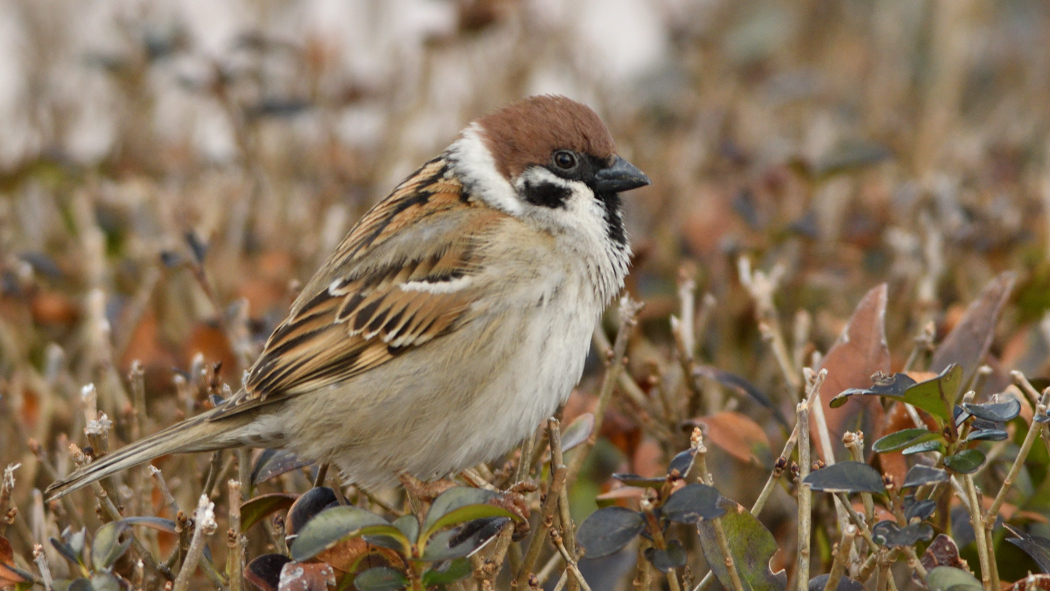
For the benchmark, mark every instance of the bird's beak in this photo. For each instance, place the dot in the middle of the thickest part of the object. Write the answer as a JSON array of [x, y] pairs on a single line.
[[621, 175]]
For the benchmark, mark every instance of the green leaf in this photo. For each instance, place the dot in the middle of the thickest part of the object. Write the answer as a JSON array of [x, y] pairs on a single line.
[[987, 435], [265, 571], [919, 475], [902, 439], [607, 530], [692, 502], [409, 526], [453, 499], [892, 386], [943, 578], [255, 510], [157, 523], [309, 504], [630, 479], [891, 535], [456, 570], [848, 477], [923, 447], [751, 546], [818, 583], [667, 560], [464, 540], [334, 525], [381, 579], [937, 396], [999, 412], [468, 513], [107, 547], [1035, 546], [965, 462], [104, 582]]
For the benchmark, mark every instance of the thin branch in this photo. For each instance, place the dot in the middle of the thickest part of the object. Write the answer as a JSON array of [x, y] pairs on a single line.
[[235, 540], [546, 513], [204, 519], [1008, 482], [838, 566], [570, 563], [978, 527], [723, 545], [45, 570], [805, 498]]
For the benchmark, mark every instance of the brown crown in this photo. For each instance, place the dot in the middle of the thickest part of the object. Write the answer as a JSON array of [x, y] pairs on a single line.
[[527, 132]]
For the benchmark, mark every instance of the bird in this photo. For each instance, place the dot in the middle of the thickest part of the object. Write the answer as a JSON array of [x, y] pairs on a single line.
[[452, 319]]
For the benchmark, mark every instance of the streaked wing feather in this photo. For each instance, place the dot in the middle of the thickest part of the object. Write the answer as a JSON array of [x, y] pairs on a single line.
[[357, 312]]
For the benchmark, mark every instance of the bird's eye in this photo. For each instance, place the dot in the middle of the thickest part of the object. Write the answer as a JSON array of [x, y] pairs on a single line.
[[565, 160]]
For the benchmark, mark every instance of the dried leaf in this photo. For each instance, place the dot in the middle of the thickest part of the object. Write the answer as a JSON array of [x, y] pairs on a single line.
[[942, 551], [738, 435], [968, 343], [860, 353]]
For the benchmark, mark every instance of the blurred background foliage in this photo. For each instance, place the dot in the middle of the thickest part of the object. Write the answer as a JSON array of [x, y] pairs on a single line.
[[170, 172]]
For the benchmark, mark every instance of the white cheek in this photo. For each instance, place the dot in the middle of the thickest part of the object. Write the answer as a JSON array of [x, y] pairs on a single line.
[[474, 163]]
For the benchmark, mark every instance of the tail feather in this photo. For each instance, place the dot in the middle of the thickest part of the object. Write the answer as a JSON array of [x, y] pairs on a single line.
[[192, 435]]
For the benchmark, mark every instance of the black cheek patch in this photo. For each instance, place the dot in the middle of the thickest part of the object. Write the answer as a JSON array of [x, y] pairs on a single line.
[[546, 194]]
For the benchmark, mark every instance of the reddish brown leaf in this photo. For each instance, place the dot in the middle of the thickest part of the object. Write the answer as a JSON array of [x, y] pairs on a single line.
[[210, 341], [9, 575], [1040, 582], [54, 309], [1008, 511], [625, 496], [898, 419], [355, 553], [969, 341], [859, 353], [943, 552], [314, 576], [738, 435]]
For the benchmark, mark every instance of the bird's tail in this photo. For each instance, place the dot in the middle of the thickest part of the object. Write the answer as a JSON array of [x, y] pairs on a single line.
[[192, 435]]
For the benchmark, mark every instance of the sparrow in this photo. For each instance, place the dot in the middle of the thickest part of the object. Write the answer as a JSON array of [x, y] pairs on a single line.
[[451, 320]]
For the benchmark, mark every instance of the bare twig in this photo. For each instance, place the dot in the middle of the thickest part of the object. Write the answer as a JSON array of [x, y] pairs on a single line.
[[762, 287], [546, 512], [165, 492], [727, 554], [805, 496], [570, 562], [45, 570], [978, 527], [1008, 482], [564, 518], [205, 525], [838, 566], [235, 540], [6, 487], [789, 446], [854, 442]]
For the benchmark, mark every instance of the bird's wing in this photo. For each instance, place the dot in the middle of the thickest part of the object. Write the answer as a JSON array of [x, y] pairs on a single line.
[[401, 278]]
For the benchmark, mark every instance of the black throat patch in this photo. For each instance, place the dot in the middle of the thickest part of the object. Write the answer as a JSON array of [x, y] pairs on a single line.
[[614, 227]]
